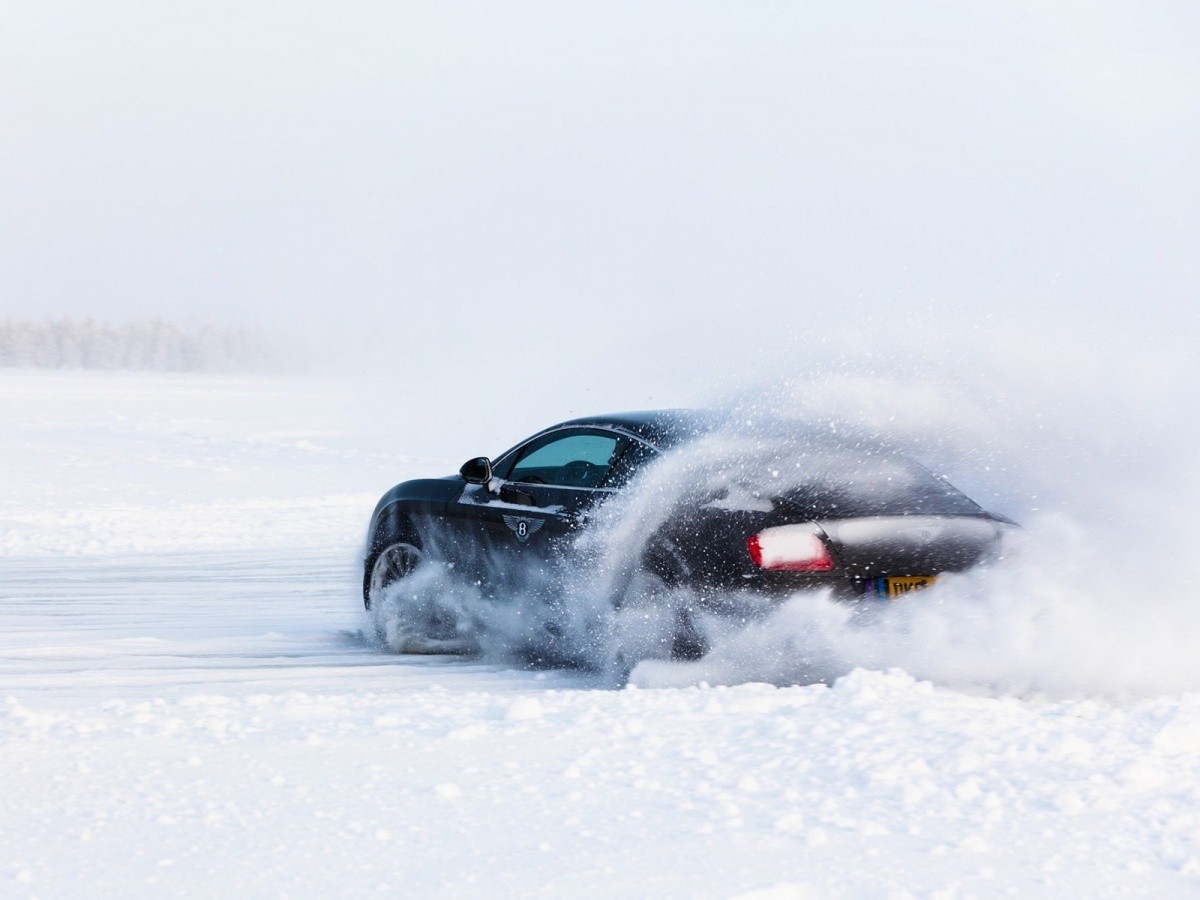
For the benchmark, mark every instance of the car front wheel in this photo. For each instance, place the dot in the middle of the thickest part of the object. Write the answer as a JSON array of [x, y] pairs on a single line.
[[415, 605], [391, 566]]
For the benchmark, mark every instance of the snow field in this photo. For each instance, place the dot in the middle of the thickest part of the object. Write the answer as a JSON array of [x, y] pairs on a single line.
[[118, 462], [188, 705], [877, 786]]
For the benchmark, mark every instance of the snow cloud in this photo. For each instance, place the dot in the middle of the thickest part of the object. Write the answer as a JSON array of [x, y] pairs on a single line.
[[1088, 443]]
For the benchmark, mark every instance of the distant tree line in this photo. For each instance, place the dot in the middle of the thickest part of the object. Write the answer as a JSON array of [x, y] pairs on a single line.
[[148, 345]]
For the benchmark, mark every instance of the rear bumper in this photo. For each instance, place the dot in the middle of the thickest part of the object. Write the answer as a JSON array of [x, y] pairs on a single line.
[[840, 586]]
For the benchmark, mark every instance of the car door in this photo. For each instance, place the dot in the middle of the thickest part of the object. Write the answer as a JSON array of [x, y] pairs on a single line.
[[538, 498]]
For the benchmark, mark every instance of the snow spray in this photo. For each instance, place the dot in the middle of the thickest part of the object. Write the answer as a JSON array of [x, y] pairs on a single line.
[[1088, 446]]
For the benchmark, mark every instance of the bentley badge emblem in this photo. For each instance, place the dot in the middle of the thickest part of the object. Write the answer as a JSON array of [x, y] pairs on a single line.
[[522, 527]]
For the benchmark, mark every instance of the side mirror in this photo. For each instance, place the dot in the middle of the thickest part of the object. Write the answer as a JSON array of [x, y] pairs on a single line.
[[477, 470]]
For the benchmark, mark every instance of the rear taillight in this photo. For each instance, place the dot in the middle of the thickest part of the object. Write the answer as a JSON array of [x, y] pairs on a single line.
[[790, 548]]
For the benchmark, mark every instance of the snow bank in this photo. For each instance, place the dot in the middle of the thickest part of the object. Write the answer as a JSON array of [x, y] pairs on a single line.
[[194, 722], [879, 784]]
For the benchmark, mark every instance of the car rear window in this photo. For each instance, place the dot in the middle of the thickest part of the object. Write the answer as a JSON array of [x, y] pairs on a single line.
[[837, 487]]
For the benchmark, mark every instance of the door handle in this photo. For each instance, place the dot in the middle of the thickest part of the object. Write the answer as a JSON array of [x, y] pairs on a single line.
[[512, 495]]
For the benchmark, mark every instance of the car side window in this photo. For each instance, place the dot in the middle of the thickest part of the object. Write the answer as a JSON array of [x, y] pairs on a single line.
[[632, 460], [579, 460]]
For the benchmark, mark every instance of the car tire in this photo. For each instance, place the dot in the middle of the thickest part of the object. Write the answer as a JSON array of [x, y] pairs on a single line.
[[689, 642], [663, 571], [412, 619], [391, 565]]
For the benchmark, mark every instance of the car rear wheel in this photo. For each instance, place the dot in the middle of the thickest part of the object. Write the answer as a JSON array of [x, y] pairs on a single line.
[[662, 581], [689, 641]]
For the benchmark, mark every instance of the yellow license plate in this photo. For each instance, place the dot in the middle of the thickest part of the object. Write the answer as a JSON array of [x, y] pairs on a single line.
[[890, 588]]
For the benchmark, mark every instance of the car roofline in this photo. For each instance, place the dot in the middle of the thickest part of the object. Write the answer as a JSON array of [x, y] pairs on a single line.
[[661, 428]]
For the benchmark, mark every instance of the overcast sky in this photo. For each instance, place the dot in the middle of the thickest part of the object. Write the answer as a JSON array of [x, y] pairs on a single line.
[[598, 182]]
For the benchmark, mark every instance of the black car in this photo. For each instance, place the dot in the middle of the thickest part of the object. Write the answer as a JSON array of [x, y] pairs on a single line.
[[736, 507]]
